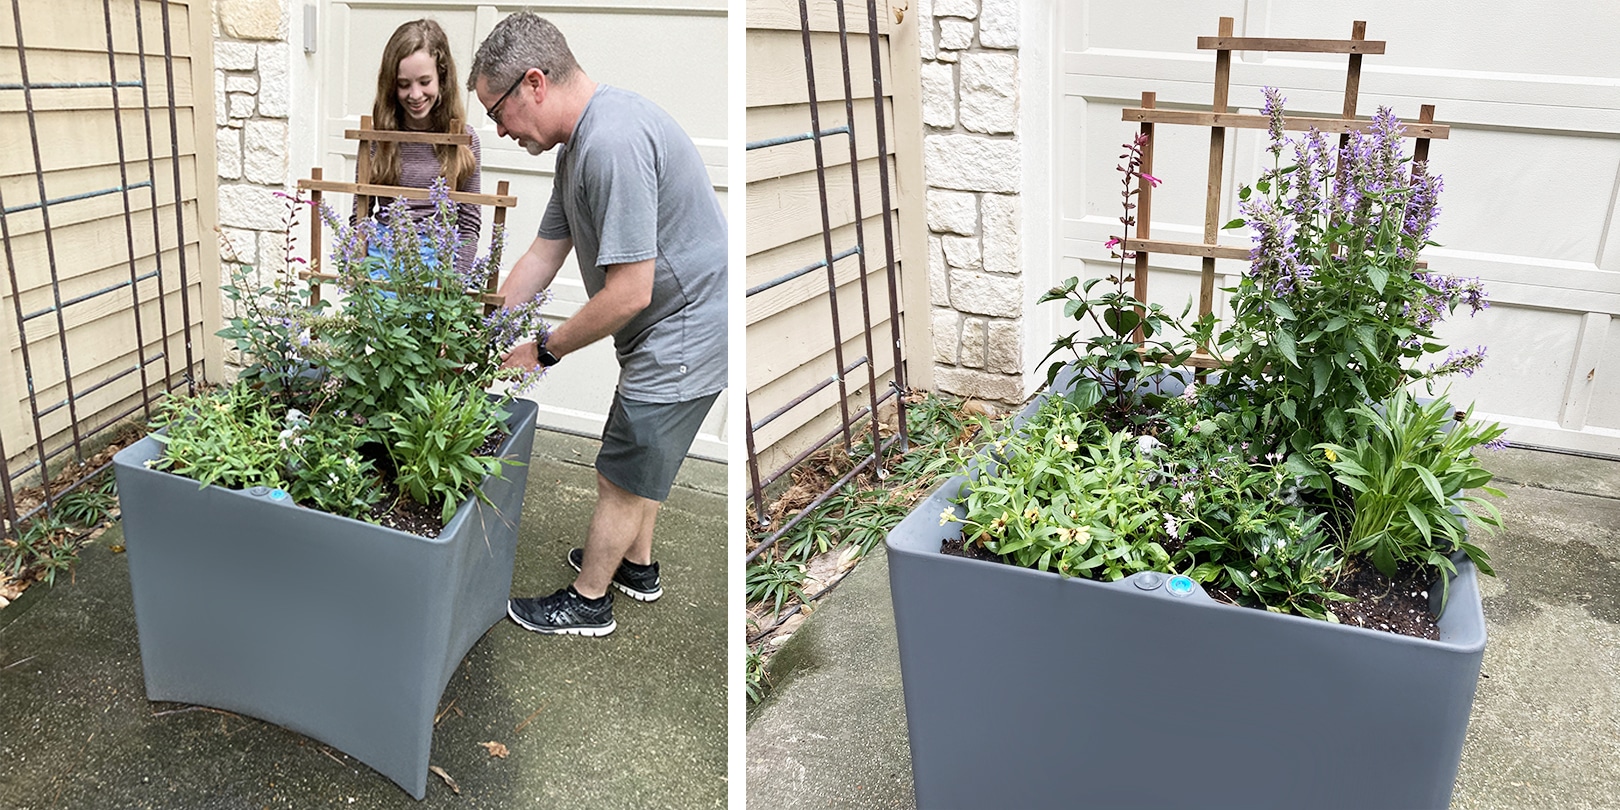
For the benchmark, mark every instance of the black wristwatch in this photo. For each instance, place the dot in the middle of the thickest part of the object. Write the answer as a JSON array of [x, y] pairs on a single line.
[[547, 359]]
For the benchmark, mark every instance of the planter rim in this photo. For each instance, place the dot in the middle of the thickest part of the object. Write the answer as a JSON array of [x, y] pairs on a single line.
[[148, 448]]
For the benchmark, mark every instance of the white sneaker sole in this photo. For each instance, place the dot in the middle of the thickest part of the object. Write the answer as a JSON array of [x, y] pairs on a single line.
[[562, 631], [639, 596]]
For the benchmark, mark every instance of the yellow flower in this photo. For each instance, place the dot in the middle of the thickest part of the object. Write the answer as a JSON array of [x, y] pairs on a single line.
[[1331, 456], [1032, 514], [946, 516]]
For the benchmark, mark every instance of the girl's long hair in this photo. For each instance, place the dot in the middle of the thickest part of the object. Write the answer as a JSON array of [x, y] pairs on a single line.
[[447, 114]]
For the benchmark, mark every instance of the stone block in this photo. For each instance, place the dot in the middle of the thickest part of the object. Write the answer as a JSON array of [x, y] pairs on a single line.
[[242, 84], [939, 288], [926, 34], [955, 35], [1005, 349], [239, 246], [973, 333], [241, 105], [939, 95], [272, 251], [235, 55], [971, 163], [962, 252], [251, 19], [274, 91], [953, 212], [220, 116], [989, 92], [977, 384], [228, 146], [946, 325], [264, 152], [986, 294], [998, 24], [252, 207], [967, 9], [1001, 233], [946, 56]]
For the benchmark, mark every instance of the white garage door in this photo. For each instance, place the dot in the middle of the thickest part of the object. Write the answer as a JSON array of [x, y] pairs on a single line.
[[1532, 169], [675, 54]]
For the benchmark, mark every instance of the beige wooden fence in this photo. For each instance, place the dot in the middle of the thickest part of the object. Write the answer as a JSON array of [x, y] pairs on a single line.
[[790, 328], [109, 292]]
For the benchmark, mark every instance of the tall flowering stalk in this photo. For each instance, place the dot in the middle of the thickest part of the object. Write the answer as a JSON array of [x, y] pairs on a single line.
[[1334, 310], [1111, 361]]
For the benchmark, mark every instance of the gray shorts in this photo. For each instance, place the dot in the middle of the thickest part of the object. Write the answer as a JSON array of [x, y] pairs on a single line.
[[644, 443]]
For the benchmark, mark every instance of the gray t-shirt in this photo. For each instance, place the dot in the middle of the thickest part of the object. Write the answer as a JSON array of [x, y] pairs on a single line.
[[630, 186]]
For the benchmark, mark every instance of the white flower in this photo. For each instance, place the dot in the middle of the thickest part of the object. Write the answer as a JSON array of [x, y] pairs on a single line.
[[1191, 392], [946, 515], [1172, 527]]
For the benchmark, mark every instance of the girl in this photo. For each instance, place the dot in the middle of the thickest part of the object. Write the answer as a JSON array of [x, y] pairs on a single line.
[[417, 90]]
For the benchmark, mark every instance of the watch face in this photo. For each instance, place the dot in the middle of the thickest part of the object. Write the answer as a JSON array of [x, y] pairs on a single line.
[[547, 358]]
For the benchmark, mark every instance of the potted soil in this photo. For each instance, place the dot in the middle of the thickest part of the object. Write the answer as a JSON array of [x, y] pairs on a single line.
[[319, 544], [1251, 590]]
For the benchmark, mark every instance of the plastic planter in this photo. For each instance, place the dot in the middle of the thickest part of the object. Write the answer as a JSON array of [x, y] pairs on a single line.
[[341, 630], [1026, 689]]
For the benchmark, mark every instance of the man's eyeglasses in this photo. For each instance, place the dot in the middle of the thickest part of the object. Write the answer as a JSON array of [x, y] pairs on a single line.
[[495, 109]]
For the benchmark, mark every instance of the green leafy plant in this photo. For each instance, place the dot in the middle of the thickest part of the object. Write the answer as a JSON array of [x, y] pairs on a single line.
[[399, 371], [91, 503], [755, 678], [1408, 475], [1132, 341], [1065, 494], [434, 441], [41, 548], [1334, 311], [774, 582]]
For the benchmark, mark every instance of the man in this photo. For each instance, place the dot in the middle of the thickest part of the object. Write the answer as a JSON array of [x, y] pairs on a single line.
[[632, 198]]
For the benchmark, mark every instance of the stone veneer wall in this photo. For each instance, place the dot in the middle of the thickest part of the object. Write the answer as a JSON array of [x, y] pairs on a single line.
[[251, 100], [971, 159]]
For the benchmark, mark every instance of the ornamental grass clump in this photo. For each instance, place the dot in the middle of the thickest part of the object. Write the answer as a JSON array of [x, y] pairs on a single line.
[[1305, 464], [357, 408]]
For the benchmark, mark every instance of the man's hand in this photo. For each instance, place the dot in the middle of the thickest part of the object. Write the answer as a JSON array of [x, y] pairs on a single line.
[[523, 355]]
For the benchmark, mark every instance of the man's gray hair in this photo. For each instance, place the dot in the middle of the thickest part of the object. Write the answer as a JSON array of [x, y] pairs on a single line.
[[518, 43]]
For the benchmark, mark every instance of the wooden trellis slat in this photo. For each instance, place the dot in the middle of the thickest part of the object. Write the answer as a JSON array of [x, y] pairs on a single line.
[[363, 190], [1218, 119]]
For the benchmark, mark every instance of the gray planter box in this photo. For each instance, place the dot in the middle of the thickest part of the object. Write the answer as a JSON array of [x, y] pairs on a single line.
[[341, 630], [1025, 689]]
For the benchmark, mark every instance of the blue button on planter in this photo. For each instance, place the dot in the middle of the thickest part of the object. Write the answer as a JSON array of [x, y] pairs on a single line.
[[1180, 586], [278, 495]]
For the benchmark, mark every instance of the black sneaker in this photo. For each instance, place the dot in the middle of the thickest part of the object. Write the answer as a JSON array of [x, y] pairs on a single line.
[[564, 612], [642, 585]]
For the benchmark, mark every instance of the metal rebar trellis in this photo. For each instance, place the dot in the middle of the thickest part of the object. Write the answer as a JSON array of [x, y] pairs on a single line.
[[86, 421], [859, 251]]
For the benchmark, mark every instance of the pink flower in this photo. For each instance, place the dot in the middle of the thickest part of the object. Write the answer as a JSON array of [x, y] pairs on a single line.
[[1149, 179]]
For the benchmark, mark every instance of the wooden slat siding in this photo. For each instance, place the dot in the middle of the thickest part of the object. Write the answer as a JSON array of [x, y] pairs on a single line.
[[774, 78], [69, 140], [79, 25], [775, 15], [66, 42], [1285, 44], [788, 328], [1291, 123], [793, 158], [788, 208]]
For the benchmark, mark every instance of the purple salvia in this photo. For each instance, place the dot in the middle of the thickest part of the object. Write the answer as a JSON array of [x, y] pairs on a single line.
[[1273, 109]]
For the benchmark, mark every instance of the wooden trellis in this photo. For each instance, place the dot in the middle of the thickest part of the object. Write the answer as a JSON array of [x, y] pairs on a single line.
[[1218, 119], [364, 190]]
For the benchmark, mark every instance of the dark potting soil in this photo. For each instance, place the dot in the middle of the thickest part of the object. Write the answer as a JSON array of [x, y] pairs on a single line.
[[1399, 605], [399, 511]]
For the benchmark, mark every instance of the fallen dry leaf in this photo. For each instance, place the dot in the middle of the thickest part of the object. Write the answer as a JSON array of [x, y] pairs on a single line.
[[439, 772], [495, 749]]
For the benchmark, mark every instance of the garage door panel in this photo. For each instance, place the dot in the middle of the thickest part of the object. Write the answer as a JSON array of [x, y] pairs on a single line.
[[1604, 410], [1501, 195], [1529, 352], [1157, 26], [1505, 37]]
